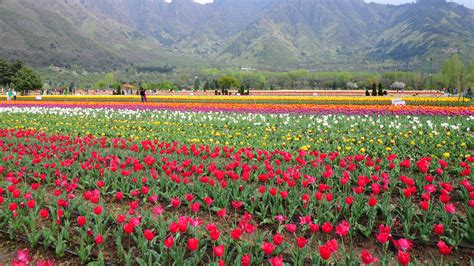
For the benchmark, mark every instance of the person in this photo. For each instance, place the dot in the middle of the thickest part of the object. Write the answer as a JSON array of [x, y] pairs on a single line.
[[14, 94], [469, 93], [142, 94], [9, 94]]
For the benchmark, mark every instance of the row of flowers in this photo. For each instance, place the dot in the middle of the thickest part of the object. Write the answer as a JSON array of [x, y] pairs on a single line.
[[449, 138], [270, 108], [157, 202], [258, 98]]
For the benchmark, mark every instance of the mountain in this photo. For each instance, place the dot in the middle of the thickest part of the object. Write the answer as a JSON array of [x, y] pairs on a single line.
[[427, 29], [307, 32], [66, 33], [273, 34]]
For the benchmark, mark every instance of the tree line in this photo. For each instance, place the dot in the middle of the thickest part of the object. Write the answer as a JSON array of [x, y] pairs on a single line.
[[452, 74], [17, 75]]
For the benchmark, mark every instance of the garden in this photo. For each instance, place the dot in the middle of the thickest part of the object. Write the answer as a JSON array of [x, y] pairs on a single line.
[[252, 180]]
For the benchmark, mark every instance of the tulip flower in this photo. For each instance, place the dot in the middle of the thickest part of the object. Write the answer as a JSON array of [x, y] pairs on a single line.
[[444, 249], [367, 258], [403, 257], [169, 242], [219, 251], [193, 244], [267, 248], [148, 234]]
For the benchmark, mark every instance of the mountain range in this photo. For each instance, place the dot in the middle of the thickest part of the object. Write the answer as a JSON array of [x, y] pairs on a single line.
[[270, 34]]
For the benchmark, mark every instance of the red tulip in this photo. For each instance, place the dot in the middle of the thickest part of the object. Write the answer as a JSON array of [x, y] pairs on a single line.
[[148, 234], [403, 244], [236, 233], [44, 213], [449, 208], [367, 258], [438, 229], [183, 226], [314, 227], [444, 249], [195, 207], [290, 228], [189, 197], [372, 201], [174, 227], [267, 248], [332, 245], [214, 234], [99, 239], [349, 200], [324, 252], [326, 227], [208, 201], [342, 229], [384, 234], [219, 251], [81, 221], [246, 260], [31, 203], [193, 244], [175, 202], [301, 242], [222, 212], [403, 257], [13, 206], [128, 228], [121, 218], [169, 242], [278, 239], [276, 261], [98, 210]]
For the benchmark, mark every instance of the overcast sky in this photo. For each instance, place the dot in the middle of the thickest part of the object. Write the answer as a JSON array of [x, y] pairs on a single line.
[[468, 3]]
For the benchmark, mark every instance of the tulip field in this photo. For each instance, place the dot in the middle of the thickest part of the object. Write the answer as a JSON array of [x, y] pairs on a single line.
[[224, 183]]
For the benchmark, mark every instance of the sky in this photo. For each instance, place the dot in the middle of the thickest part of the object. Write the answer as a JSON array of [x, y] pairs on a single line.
[[468, 3]]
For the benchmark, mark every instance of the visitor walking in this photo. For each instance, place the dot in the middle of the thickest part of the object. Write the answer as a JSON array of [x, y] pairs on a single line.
[[143, 94], [9, 94], [14, 94]]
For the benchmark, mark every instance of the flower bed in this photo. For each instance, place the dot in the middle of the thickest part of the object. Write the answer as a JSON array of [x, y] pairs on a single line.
[[133, 186], [347, 109], [342, 100]]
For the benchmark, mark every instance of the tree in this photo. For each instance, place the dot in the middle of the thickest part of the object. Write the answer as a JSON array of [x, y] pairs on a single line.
[[374, 89], [6, 72], [242, 89], [27, 79], [166, 85], [101, 84], [453, 69], [197, 84], [228, 82], [398, 85], [152, 86], [352, 85], [109, 78], [207, 86], [418, 81], [470, 75], [215, 84], [380, 91]]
